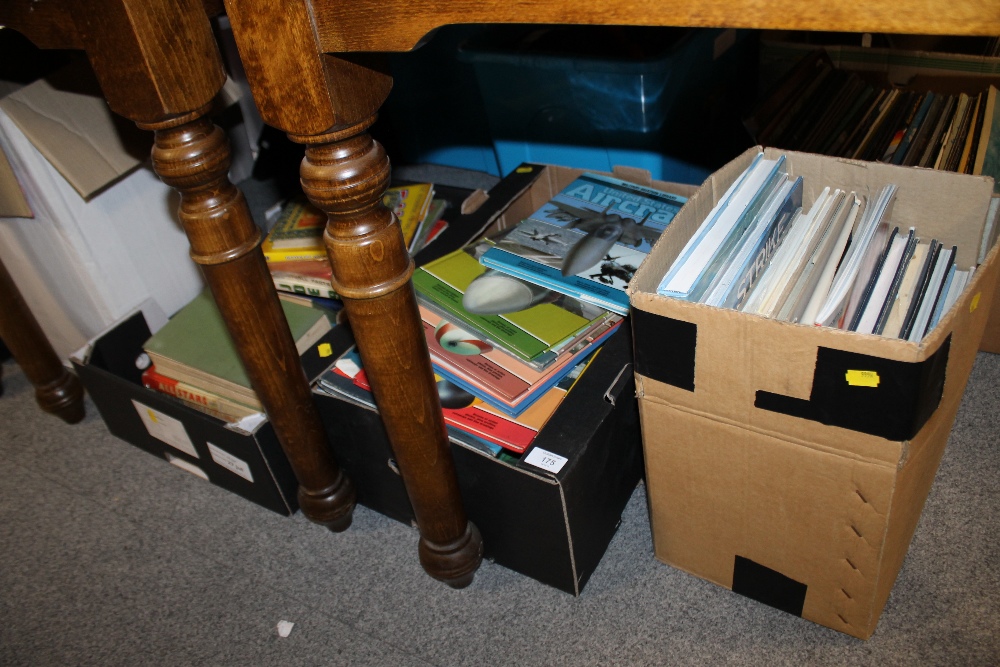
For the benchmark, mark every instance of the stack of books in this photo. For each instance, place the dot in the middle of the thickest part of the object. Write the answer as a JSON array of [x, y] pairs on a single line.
[[840, 262], [512, 321], [818, 108], [194, 359], [296, 255]]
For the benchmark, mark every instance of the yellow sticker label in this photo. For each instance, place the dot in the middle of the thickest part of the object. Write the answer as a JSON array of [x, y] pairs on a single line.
[[975, 302], [524, 170], [325, 350], [862, 378], [152, 417]]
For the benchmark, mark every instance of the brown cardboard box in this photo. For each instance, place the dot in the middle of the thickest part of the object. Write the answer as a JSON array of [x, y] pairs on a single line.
[[769, 472]]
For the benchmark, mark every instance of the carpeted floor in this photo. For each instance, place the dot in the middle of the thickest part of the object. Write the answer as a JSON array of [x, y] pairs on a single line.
[[110, 556]]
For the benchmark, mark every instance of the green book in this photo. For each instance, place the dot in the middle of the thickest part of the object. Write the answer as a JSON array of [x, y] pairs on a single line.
[[194, 346], [536, 332]]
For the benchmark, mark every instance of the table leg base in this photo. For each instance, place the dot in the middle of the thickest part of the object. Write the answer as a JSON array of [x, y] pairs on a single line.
[[455, 563]]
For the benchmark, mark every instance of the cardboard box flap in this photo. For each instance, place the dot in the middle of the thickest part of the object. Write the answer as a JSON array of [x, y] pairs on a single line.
[[12, 201], [66, 117]]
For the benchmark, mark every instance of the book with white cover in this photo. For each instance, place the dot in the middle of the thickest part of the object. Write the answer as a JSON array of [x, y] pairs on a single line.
[[887, 282], [824, 280], [904, 295], [835, 309], [818, 242], [711, 246], [757, 245]]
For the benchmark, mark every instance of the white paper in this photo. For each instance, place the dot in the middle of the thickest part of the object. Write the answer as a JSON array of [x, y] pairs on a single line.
[[165, 428], [545, 460], [229, 462]]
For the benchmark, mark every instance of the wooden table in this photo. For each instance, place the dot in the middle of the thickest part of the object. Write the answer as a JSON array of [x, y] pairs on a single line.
[[317, 74]]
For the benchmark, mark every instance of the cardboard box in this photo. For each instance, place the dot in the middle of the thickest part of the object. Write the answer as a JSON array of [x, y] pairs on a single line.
[[551, 520], [768, 471], [244, 458]]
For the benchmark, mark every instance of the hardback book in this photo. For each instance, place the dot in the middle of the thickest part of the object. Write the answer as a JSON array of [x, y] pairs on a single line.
[[531, 322], [588, 240], [194, 347], [195, 397], [410, 203], [298, 232]]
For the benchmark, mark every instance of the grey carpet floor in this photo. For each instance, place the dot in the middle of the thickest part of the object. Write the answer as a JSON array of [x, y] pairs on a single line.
[[110, 556]]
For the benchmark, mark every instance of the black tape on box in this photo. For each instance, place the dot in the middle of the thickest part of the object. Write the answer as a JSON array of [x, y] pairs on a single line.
[[664, 348], [869, 394], [763, 584]]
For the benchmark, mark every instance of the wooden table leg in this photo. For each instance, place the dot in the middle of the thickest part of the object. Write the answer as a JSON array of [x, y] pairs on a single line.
[[346, 173], [192, 155], [328, 102], [57, 390], [158, 64]]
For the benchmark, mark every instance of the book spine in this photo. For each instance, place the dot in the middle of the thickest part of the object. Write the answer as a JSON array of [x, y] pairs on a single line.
[[194, 397], [304, 285], [293, 254]]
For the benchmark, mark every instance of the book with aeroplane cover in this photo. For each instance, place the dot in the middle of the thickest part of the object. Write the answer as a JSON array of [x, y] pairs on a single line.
[[533, 323], [587, 241]]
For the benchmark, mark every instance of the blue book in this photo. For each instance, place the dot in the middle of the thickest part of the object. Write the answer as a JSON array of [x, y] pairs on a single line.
[[588, 240]]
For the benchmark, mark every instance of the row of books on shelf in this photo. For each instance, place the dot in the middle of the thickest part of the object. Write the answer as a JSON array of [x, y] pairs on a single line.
[[841, 262], [819, 108]]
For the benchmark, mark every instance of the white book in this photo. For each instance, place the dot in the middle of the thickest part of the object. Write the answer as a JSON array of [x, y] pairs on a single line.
[[889, 273], [807, 274], [929, 298], [907, 289], [822, 287], [772, 278], [799, 255], [833, 310], [693, 264]]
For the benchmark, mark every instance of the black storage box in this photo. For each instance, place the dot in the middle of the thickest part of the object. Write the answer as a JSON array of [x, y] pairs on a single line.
[[550, 523], [249, 462]]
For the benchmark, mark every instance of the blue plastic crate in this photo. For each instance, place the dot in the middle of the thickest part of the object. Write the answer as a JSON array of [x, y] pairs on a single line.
[[595, 97]]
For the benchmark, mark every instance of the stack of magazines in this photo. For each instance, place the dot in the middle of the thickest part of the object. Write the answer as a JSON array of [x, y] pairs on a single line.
[[842, 262], [512, 321]]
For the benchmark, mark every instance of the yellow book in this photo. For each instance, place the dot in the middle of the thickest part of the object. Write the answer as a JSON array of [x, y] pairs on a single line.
[[298, 233]]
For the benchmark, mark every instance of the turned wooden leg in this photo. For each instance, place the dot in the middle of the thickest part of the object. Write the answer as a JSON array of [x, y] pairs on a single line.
[[192, 155], [345, 173], [57, 390]]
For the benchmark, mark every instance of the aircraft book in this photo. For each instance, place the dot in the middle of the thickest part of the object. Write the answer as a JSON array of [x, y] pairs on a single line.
[[461, 410], [491, 374], [531, 322], [194, 347], [710, 249], [588, 240]]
